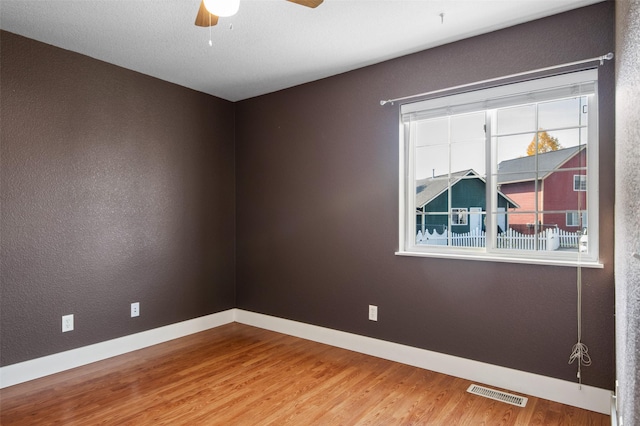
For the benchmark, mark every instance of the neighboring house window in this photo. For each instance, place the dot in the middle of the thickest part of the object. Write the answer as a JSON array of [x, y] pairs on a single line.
[[459, 216], [514, 160], [579, 182], [573, 219], [577, 219]]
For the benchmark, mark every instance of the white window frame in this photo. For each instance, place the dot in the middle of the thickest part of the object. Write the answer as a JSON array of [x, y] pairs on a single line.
[[479, 99]]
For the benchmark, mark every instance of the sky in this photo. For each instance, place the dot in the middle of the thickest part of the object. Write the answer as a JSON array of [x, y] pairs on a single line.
[[516, 128]]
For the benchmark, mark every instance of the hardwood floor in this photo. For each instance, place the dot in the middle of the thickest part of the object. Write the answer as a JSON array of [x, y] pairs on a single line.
[[241, 375]]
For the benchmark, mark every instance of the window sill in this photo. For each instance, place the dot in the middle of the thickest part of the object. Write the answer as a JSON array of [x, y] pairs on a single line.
[[506, 259]]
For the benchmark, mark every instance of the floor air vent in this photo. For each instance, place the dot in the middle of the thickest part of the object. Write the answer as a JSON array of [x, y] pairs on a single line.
[[520, 401]]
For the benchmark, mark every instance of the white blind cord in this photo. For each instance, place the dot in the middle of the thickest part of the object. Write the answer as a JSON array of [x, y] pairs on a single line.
[[580, 351]]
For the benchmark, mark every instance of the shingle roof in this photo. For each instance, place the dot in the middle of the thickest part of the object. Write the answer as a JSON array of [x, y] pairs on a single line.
[[524, 168], [429, 188]]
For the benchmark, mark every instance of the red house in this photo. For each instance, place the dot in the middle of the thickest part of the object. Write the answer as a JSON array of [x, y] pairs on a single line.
[[559, 185]]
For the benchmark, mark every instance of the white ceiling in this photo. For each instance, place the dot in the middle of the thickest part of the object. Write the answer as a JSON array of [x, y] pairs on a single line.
[[270, 44]]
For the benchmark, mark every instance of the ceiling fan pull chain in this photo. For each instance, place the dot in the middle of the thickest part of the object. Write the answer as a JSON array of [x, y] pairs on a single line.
[[210, 42]]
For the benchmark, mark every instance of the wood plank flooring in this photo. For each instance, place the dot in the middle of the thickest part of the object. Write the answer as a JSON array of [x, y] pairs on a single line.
[[241, 375]]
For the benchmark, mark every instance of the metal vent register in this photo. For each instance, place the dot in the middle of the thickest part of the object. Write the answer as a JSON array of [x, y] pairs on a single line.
[[520, 401]]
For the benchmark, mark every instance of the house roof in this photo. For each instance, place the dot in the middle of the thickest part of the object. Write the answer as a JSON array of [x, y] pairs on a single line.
[[523, 169], [429, 188]]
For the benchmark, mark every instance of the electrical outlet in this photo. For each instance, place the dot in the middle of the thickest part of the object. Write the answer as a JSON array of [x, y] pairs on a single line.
[[135, 309], [373, 313], [67, 323]]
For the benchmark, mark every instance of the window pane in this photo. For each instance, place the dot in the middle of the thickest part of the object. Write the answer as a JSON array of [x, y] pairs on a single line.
[[559, 197], [523, 232], [560, 113], [432, 161], [516, 120], [432, 132], [547, 239], [468, 127], [523, 223], [431, 229], [559, 140], [468, 143], [544, 142], [432, 201], [477, 219], [513, 163], [468, 156]]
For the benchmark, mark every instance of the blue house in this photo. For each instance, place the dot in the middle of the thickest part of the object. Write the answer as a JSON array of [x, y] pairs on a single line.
[[468, 203]]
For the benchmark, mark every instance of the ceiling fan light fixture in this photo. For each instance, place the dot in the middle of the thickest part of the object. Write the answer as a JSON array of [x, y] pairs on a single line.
[[222, 8]]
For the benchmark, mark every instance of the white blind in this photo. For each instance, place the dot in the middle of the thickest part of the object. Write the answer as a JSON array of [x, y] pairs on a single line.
[[547, 88]]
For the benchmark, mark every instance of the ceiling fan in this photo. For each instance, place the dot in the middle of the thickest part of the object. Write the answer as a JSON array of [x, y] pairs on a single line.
[[210, 10]]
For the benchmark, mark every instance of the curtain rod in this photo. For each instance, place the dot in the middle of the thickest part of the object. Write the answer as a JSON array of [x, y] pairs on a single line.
[[602, 58]]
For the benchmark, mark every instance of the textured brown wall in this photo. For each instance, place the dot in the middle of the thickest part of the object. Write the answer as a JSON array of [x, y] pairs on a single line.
[[116, 187], [317, 213]]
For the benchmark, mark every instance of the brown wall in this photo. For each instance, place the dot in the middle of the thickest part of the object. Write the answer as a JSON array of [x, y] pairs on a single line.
[[317, 213], [116, 187]]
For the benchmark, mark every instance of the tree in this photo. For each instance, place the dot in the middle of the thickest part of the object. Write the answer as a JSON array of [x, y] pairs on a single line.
[[546, 143]]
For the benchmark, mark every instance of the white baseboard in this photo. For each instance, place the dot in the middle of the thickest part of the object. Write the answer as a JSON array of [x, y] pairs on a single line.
[[33, 369], [569, 393], [590, 398]]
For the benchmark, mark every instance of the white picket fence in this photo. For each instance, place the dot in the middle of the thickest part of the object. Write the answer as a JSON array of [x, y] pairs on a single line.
[[549, 239]]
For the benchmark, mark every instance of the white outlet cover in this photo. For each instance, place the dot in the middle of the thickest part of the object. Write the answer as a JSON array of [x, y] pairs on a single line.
[[67, 323], [135, 309], [373, 313]]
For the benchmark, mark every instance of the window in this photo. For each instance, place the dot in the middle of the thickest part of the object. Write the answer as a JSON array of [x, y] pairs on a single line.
[[579, 182], [573, 219], [577, 219], [514, 160], [459, 216]]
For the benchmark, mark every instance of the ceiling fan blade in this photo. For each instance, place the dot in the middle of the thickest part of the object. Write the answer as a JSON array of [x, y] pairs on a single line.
[[204, 18], [309, 3]]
